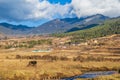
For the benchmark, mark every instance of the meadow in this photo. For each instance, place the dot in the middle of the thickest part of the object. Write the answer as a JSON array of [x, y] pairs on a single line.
[[63, 61]]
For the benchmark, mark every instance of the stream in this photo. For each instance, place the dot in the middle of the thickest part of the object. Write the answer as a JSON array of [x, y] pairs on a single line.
[[91, 75]]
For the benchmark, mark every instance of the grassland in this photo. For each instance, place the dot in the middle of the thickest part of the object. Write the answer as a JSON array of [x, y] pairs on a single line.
[[11, 67], [65, 60]]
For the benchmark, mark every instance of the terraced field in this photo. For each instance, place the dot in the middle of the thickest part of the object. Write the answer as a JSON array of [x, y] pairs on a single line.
[[100, 54]]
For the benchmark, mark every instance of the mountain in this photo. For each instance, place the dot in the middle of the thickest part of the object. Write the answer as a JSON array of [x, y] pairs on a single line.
[[16, 27], [55, 26], [69, 24], [51, 27], [109, 27], [11, 29]]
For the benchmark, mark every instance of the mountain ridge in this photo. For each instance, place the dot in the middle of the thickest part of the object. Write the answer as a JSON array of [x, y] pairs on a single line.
[[10, 29], [64, 25], [109, 27], [54, 26]]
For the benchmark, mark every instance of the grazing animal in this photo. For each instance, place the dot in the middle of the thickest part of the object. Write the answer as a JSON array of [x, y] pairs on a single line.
[[32, 63]]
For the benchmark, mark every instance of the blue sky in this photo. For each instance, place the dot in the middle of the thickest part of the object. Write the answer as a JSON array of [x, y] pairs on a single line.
[[39, 21], [37, 12], [59, 1]]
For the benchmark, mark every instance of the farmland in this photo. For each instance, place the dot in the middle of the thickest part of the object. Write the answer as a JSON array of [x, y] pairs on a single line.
[[64, 60]]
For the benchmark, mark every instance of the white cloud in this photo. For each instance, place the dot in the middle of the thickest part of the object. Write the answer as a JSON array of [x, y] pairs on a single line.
[[89, 7], [19, 10]]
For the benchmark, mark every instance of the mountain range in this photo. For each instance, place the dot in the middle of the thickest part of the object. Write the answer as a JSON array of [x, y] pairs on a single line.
[[69, 24], [55, 26], [11, 29]]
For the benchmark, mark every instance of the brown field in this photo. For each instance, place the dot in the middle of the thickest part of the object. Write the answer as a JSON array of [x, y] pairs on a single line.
[[102, 54]]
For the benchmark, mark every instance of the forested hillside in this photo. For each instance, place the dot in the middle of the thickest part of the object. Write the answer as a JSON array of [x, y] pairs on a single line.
[[109, 27]]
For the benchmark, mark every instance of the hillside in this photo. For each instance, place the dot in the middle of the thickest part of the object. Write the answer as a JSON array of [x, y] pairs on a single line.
[[108, 28], [2, 36], [10, 29], [69, 24], [16, 27], [55, 26]]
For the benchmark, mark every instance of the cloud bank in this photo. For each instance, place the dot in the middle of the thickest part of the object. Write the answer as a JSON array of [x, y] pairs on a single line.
[[19, 10], [109, 8], [22, 10]]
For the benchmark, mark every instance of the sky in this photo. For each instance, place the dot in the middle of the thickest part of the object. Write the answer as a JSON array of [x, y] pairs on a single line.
[[37, 12], [62, 2]]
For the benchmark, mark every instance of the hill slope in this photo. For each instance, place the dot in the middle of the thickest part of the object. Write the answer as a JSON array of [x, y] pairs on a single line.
[[10, 29], [69, 24], [55, 26], [108, 28], [16, 27]]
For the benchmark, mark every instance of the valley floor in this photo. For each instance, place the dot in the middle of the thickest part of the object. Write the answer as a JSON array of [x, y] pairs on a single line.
[[66, 61]]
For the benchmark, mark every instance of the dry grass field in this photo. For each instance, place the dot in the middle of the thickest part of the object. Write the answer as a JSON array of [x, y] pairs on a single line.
[[100, 54]]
